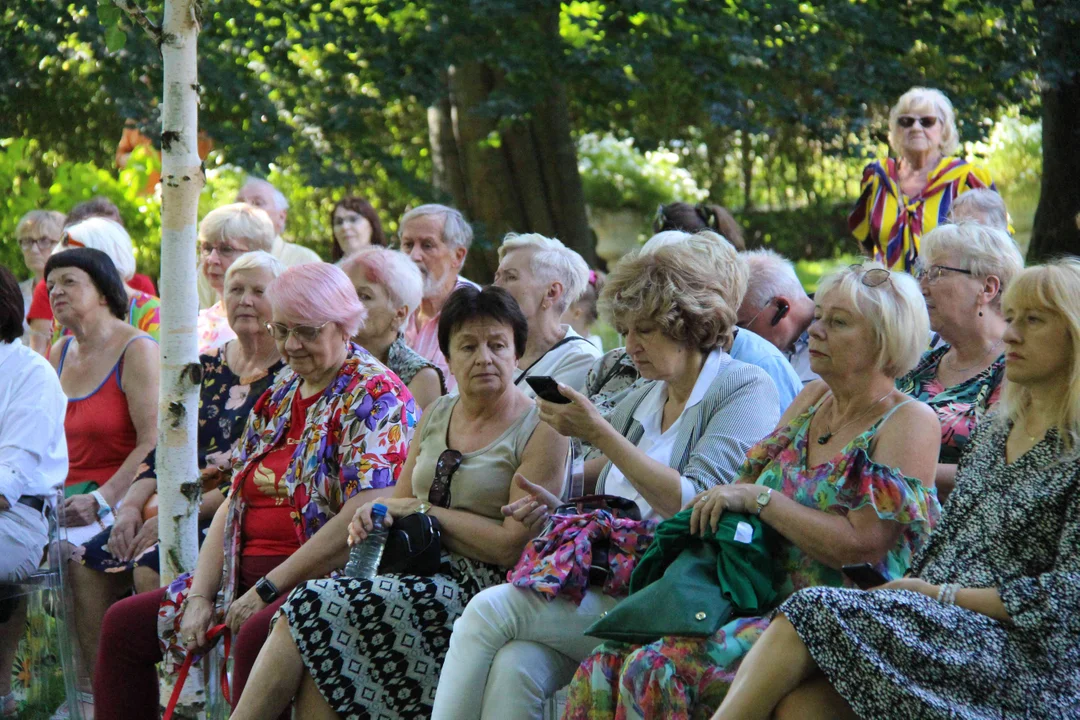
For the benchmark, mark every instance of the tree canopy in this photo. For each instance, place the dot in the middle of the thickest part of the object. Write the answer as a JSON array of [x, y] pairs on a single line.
[[340, 92]]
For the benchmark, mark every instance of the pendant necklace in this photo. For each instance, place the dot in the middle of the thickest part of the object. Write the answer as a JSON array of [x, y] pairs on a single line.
[[825, 438]]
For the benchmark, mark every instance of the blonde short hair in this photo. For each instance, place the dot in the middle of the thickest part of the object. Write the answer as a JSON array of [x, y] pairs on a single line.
[[985, 250], [551, 262], [895, 310], [920, 99], [41, 222], [690, 288], [255, 260], [238, 222], [1054, 287]]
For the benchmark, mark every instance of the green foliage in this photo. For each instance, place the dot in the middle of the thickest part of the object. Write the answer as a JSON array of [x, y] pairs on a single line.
[[617, 175], [72, 183]]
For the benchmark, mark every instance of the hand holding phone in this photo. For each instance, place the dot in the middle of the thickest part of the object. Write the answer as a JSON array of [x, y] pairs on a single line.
[[864, 575], [546, 388]]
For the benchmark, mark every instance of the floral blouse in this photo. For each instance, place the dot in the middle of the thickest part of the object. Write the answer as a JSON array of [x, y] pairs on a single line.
[[225, 400], [848, 482], [356, 438], [960, 407]]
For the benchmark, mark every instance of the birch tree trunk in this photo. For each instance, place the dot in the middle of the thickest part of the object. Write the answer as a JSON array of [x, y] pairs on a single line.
[[182, 180]]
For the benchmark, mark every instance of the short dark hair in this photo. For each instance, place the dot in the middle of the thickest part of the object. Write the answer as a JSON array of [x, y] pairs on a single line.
[[358, 205], [12, 309], [99, 206], [102, 272], [469, 303], [695, 218]]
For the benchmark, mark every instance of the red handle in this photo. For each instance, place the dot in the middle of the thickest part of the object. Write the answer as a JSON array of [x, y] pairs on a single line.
[[181, 678]]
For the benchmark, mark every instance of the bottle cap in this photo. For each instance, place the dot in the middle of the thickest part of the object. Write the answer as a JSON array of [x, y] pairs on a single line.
[[378, 509]]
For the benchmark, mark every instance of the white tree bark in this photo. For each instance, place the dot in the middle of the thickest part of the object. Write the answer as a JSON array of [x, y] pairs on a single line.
[[182, 180]]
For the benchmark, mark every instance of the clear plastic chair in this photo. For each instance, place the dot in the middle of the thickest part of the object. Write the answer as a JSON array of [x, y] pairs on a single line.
[[50, 631]]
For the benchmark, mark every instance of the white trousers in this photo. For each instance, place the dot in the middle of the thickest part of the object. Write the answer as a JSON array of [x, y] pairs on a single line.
[[511, 650], [24, 533]]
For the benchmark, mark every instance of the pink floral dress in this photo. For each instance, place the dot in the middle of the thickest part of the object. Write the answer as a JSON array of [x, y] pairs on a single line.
[[680, 678]]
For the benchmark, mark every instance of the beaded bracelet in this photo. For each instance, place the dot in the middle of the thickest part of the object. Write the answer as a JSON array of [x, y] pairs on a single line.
[[947, 594]]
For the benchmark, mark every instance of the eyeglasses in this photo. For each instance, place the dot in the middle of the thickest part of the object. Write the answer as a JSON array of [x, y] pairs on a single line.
[[933, 273], [41, 243], [445, 467], [225, 251], [781, 310], [872, 277], [906, 121], [303, 333]]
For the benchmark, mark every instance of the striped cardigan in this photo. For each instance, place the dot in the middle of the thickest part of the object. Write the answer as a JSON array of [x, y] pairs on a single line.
[[739, 409]]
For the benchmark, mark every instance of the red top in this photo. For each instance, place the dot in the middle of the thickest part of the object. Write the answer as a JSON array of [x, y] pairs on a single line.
[[100, 434], [41, 310], [267, 527]]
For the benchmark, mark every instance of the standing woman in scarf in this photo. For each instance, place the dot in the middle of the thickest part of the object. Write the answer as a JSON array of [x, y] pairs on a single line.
[[904, 198]]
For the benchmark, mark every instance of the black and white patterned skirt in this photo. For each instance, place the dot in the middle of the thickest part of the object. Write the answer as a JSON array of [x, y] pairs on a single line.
[[375, 647]]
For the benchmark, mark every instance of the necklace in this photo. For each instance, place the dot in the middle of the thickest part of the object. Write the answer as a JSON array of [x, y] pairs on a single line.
[[828, 435], [978, 362]]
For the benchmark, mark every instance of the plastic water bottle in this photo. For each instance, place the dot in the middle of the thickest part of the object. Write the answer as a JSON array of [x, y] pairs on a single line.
[[364, 557]]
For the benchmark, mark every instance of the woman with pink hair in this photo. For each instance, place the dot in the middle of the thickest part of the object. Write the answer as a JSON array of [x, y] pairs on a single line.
[[329, 435], [390, 287]]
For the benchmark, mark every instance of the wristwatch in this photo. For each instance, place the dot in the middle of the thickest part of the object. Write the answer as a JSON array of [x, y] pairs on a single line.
[[267, 590], [423, 507], [763, 499]]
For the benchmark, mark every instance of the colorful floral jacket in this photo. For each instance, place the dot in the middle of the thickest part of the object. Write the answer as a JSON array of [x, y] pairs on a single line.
[[356, 438]]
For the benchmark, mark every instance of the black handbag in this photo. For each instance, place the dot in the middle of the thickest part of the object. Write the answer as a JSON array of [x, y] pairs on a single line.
[[619, 507], [413, 546]]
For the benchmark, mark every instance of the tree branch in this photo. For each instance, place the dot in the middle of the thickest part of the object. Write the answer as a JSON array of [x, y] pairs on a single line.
[[139, 17]]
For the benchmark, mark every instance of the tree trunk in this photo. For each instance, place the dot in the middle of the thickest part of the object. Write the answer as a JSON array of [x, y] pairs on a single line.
[[518, 176], [181, 374], [747, 171], [1057, 220]]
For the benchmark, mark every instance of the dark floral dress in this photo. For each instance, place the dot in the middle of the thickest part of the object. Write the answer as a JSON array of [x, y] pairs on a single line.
[[225, 400], [405, 362], [1010, 526], [960, 407]]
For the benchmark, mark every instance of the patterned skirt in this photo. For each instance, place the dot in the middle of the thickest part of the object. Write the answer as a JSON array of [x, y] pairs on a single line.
[[375, 647], [901, 654], [676, 678]]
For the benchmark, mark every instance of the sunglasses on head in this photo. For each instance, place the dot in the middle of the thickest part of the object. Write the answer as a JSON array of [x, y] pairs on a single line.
[[872, 277], [445, 467], [906, 121]]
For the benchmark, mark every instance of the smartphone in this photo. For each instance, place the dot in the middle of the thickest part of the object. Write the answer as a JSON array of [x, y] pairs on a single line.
[[546, 388], [864, 575]]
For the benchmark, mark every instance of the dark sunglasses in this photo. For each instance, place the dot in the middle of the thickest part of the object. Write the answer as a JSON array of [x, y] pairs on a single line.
[[445, 467], [871, 278], [906, 121]]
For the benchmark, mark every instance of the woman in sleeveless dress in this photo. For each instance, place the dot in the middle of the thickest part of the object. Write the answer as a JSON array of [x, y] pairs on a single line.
[[373, 648], [847, 477], [988, 623], [109, 371], [962, 271]]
